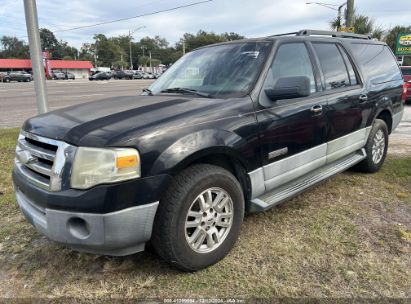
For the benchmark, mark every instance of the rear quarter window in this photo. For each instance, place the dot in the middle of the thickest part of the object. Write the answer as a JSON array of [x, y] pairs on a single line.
[[377, 62]]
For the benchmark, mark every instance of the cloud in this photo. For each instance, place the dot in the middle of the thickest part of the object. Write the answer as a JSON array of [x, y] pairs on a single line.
[[250, 18]]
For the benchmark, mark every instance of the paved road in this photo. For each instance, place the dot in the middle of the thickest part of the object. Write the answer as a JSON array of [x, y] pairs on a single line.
[[17, 100], [404, 129]]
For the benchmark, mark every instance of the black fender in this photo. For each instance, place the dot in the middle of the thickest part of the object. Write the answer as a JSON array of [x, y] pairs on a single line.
[[197, 145]]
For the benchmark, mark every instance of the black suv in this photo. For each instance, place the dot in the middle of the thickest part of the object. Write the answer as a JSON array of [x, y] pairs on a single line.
[[230, 128]]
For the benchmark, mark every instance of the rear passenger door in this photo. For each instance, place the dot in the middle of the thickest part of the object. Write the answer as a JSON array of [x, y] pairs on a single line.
[[347, 101]]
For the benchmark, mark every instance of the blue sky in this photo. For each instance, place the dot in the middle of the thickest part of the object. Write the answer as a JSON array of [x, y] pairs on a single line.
[[250, 18]]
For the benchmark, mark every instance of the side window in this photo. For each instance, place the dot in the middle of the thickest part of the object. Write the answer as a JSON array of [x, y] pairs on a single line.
[[351, 73], [377, 62], [332, 65], [292, 59]]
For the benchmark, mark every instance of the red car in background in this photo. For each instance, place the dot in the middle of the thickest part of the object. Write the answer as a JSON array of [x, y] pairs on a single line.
[[406, 73]]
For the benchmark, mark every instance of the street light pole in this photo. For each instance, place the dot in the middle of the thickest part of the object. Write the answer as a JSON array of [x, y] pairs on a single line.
[[340, 15], [332, 6], [130, 37], [36, 56]]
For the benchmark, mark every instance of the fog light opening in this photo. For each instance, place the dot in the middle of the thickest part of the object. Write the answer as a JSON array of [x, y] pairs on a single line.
[[78, 228]]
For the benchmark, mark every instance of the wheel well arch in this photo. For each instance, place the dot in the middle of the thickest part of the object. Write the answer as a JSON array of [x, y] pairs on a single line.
[[222, 159], [386, 116]]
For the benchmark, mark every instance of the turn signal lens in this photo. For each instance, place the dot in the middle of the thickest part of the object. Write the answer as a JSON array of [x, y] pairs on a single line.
[[126, 161]]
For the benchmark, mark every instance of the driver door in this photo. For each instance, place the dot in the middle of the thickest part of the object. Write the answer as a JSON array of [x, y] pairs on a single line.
[[292, 131]]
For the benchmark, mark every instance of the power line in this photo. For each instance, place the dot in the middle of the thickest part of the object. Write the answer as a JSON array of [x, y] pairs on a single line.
[[134, 17]]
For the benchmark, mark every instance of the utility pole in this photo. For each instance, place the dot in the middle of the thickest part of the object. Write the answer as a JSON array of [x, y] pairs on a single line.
[[143, 47], [340, 16], [184, 47], [32, 23], [131, 58], [130, 32], [350, 13], [151, 69]]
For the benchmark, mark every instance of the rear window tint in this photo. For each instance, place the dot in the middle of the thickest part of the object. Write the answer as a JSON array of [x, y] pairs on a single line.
[[406, 71], [377, 62]]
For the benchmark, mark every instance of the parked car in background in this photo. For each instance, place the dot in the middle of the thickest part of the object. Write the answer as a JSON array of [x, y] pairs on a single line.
[[128, 74], [109, 74], [99, 76], [58, 75], [69, 75], [137, 75], [233, 128], [4, 77], [20, 76], [406, 73], [119, 74]]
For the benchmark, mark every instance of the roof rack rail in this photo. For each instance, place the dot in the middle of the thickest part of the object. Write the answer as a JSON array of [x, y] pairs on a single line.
[[326, 33]]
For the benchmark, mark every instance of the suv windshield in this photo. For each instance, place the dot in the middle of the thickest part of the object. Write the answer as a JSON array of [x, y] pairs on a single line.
[[216, 71]]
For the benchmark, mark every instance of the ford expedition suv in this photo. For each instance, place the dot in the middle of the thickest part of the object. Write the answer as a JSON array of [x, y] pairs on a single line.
[[230, 128]]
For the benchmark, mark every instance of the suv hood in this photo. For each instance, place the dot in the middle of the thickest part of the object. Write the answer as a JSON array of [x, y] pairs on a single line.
[[105, 122]]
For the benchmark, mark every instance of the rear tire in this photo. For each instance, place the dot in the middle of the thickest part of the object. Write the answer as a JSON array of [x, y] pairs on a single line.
[[199, 217], [376, 148]]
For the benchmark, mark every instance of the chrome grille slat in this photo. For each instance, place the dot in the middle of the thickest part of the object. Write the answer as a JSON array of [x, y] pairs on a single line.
[[42, 160], [35, 179], [36, 151], [40, 168]]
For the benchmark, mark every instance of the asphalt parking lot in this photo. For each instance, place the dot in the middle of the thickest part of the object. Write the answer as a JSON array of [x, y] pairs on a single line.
[[17, 100]]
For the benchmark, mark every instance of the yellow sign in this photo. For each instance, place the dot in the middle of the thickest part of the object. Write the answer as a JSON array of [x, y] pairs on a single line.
[[347, 29]]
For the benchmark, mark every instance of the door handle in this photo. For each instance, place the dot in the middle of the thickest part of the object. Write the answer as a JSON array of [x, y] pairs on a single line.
[[318, 109], [363, 98]]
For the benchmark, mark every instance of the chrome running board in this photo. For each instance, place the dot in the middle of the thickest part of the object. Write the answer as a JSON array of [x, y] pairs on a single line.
[[295, 187]]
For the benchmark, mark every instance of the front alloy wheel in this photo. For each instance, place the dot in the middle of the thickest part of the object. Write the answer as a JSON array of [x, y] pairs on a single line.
[[209, 220], [199, 217]]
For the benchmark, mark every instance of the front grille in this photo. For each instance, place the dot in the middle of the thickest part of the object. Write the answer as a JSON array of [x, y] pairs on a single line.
[[41, 160]]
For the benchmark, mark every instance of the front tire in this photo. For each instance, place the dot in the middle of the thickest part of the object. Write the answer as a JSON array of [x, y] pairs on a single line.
[[199, 217], [376, 148]]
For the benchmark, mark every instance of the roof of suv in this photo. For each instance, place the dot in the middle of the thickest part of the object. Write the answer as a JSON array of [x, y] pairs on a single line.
[[304, 34]]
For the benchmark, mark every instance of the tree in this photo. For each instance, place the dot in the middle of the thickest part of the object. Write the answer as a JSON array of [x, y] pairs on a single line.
[[362, 25], [232, 36], [13, 48], [50, 43], [203, 38]]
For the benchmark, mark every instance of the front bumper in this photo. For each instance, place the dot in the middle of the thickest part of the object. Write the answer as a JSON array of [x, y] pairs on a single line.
[[116, 233]]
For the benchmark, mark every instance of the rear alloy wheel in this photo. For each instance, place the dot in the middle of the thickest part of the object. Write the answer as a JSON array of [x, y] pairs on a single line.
[[199, 217], [376, 148]]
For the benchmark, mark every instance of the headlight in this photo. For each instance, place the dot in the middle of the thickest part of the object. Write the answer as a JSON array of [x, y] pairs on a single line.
[[93, 166]]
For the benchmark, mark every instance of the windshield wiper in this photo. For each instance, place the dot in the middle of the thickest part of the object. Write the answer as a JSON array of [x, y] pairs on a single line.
[[148, 91], [186, 90]]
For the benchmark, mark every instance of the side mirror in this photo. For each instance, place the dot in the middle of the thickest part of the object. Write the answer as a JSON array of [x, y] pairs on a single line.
[[289, 87]]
